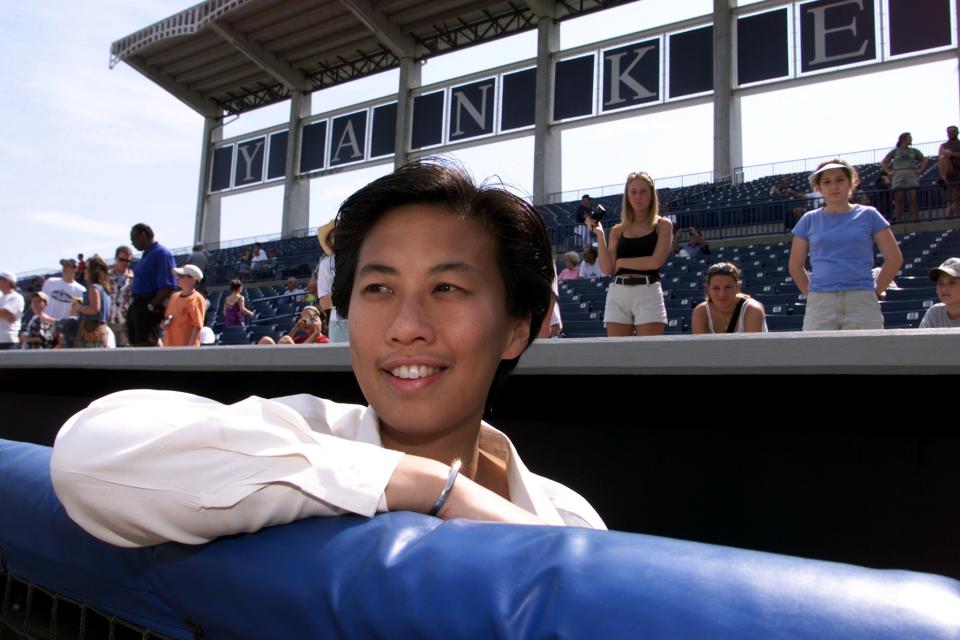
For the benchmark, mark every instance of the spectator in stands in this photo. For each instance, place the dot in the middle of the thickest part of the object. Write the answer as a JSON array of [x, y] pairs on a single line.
[[725, 308], [948, 170], [40, 331], [571, 264], [696, 244], [259, 255], [185, 310], [945, 314], [121, 283], [93, 311], [244, 264], [81, 269], [199, 258], [11, 311], [875, 273], [793, 211], [881, 195], [639, 246], [153, 283], [584, 209], [590, 266], [234, 309], [323, 284], [552, 323], [905, 166], [307, 330], [839, 237], [294, 290], [63, 291], [445, 284], [785, 188]]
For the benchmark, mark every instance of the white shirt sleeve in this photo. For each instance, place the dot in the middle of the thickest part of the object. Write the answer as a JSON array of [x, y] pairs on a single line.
[[13, 304], [324, 277], [143, 467]]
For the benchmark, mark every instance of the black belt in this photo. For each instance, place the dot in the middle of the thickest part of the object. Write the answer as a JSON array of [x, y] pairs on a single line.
[[635, 280]]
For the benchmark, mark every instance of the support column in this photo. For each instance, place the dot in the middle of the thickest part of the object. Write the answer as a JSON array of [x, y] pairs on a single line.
[[409, 80], [727, 136], [547, 167], [296, 192], [207, 226]]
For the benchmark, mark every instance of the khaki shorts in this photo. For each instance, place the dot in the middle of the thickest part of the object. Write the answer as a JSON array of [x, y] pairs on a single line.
[[904, 179], [635, 304], [842, 310]]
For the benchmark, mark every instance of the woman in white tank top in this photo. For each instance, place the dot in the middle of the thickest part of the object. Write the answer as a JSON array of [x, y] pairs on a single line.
[[723, 300]]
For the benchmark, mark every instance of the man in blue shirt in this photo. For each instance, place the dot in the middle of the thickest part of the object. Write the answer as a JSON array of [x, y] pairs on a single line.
[[153, 282]]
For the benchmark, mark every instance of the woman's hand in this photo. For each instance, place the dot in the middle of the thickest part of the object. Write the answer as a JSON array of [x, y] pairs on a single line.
[[416, 484], [595, 226]]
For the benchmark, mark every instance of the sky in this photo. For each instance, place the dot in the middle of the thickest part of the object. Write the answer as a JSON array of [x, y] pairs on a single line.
[[87, 151]]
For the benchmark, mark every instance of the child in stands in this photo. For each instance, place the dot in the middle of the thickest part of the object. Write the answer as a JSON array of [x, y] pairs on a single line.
[[946, 314], [185, 310]]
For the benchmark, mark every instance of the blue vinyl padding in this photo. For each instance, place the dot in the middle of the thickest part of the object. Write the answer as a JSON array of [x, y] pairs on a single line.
[[405, 575]]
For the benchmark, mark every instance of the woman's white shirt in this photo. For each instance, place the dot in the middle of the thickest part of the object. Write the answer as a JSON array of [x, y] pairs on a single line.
[[750, 302], [143, 467]]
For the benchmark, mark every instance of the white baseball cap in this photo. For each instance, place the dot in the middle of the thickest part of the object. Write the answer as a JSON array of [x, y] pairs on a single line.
[[190, 270]]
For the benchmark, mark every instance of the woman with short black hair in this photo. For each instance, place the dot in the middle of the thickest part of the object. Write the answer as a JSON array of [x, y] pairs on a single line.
[[445, 285]]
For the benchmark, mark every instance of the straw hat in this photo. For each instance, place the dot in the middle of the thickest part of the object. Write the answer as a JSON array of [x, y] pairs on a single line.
[[323, 235]]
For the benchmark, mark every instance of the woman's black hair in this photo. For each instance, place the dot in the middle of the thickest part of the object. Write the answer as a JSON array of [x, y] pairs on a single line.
[[236, 284], [524, 256]]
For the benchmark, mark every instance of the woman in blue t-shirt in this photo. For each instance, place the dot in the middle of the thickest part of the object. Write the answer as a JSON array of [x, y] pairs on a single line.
[[839, 238]]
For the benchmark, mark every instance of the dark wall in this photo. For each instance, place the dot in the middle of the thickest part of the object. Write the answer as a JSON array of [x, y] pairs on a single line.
[[829, 481]]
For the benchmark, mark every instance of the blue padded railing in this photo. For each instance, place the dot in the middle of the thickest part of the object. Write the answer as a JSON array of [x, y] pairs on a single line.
[[404, 575]]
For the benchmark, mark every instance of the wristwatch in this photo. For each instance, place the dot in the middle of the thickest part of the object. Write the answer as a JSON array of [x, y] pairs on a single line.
[[151, 308]]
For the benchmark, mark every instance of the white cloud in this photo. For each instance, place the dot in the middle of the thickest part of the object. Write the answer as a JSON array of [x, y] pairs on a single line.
[[75, 222]]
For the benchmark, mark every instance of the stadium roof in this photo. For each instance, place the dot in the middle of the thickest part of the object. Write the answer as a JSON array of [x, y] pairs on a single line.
[[238, 55]]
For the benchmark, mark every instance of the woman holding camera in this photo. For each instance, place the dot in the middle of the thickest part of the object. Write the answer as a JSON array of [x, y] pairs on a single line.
[[639, 245]]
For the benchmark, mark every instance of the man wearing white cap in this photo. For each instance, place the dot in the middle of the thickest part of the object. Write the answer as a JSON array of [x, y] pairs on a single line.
[[11, 310], [945, 315], [185, 309]]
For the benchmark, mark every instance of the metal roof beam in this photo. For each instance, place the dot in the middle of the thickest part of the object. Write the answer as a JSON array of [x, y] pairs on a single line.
[[543, 8], [193, 99], [292, 78], [401, 44]]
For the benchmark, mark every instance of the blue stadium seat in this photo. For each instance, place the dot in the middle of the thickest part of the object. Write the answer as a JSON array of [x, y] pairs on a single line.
[[785, 322], [231, 338]]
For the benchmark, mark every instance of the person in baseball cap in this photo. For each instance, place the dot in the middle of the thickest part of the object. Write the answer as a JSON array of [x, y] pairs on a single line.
[[191, 271], [11, 310], [946, 314], [185, 312]]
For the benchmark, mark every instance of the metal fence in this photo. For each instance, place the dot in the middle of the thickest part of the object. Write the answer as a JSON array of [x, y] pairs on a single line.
[[746, 173], [30, 612]]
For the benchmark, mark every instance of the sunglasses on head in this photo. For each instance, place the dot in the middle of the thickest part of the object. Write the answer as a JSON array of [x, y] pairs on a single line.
[[721, 268]]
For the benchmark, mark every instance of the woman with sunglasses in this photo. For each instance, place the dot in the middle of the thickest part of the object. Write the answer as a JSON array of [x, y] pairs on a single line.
[[639, 245], [726, 309], [839, 239], [121, 282], [445, 285]]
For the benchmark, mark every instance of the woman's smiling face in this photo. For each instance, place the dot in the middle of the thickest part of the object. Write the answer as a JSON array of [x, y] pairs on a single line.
[[428, 321]]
